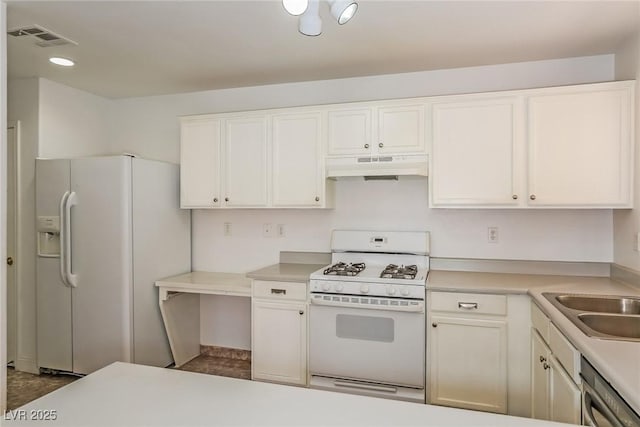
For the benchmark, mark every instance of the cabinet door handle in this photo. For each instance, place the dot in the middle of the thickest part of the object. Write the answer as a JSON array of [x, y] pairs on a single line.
[[301, 312], [532, 197], [226, 199], [468, 305], [381, 145], [366, 145], [215, 200], [9, 261], [278, 291], [542, 359], [545, 366], [514, 197], [435, 325], [317, 199]]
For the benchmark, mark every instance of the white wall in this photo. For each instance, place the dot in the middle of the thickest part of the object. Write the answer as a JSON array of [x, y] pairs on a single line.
[[73, 123], [148, 126], [626, 223]]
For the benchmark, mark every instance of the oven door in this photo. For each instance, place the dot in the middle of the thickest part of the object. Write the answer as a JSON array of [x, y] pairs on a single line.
[[381, 346]]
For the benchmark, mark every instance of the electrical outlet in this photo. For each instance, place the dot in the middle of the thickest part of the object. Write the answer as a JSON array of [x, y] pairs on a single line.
[[492, 234], [227, 229], [280, 230], [267, 230]]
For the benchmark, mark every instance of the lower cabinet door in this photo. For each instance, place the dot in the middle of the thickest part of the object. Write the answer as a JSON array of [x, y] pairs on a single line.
[[540, 355], [279, 342], [468, 367], [564, 404]]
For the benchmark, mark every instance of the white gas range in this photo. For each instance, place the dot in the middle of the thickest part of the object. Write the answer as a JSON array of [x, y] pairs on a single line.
[[366, 327]]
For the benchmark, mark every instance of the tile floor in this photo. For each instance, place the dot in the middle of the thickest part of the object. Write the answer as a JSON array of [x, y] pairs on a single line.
[[23, 387]]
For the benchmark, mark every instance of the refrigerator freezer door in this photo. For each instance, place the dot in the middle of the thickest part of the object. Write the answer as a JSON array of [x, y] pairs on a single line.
[[161, 248], [53, 301], [101, 260]]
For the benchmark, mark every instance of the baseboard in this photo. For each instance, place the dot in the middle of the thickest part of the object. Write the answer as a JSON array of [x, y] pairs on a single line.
[[226, 352]]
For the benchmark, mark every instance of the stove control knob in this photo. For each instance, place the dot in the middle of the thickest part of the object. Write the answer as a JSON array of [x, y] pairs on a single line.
[[391, 290], [405, 291], [326, 286], [364, 289], [339, 287]]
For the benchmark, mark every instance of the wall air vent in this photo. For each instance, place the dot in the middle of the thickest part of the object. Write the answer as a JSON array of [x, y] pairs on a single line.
[[41, 36]]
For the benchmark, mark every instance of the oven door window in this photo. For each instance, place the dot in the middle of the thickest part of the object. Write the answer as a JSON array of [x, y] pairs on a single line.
[[369, 328]]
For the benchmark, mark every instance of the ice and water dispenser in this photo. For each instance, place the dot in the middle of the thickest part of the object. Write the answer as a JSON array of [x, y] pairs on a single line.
[[48, 236]]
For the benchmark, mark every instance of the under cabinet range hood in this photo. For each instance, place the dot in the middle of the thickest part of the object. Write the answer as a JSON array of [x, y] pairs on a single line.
[[387, 165]]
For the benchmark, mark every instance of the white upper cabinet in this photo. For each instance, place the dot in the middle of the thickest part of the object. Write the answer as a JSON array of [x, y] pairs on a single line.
[[564, 147], [200, 163], [386, 127], [474, 150], [350, 131], [297, 160], [580, 146], [246, 162]]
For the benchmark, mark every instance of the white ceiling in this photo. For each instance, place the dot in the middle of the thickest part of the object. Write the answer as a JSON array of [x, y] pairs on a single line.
[[128, 49]]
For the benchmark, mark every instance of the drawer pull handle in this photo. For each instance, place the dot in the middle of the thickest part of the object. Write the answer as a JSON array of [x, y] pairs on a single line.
[[468, 305], [542, 359], [545, 366], [278, 291]]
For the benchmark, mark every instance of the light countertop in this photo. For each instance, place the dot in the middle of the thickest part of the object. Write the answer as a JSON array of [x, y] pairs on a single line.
[[123, 394], [285, 272], [208, 282], [617, 361]]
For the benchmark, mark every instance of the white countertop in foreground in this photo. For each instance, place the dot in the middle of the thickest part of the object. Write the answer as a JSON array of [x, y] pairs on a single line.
[[617, 361], [129, 395], [206, 282]]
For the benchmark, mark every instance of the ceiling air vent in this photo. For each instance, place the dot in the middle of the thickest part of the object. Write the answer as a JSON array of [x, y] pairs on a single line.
[[41, 36]]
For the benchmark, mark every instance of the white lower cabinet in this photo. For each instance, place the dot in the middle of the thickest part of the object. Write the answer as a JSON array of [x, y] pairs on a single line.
[[279, 332], [555, 370], [467, 356]]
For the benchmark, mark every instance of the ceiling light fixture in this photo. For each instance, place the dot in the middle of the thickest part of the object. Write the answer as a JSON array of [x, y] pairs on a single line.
[[62, 61], [310, 23], [295, 7], [343, 10]]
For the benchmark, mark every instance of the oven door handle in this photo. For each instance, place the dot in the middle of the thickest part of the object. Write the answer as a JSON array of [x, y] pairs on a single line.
[[590, 400], [417, 308], [361, 386]]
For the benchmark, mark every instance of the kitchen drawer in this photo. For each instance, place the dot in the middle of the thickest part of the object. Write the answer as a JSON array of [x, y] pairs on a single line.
[[469, 303], [296, 291], [540, 321], [565, 352]]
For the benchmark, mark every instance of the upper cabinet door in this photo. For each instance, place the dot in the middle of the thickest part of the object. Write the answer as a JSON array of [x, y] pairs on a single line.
[[474, 152], [297, 160], [581, 147], [200, 162], [246, 162], [350, 131], [400, 129]]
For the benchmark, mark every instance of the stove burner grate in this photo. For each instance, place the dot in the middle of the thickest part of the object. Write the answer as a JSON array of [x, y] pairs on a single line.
[[393, 271], [342, 269]]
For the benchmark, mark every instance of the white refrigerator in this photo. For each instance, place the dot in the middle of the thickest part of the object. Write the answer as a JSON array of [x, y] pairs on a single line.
[[108, 228]]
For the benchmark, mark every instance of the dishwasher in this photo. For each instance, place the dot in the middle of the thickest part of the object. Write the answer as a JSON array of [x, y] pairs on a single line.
[[602, 406]]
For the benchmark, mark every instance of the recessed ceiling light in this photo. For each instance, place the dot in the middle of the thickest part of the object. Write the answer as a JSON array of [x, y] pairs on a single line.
[[62, 61]]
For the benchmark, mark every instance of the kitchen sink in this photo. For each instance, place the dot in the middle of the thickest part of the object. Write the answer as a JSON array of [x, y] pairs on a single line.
[[614, 325], [604, 304], [612, 317]]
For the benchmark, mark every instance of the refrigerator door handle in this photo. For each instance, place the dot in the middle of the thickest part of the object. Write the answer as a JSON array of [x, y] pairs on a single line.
[[71, 201], [63, 236]]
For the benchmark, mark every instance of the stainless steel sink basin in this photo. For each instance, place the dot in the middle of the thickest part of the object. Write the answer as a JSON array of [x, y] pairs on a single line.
[[615, 325], [612, 317], [604, 304]]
